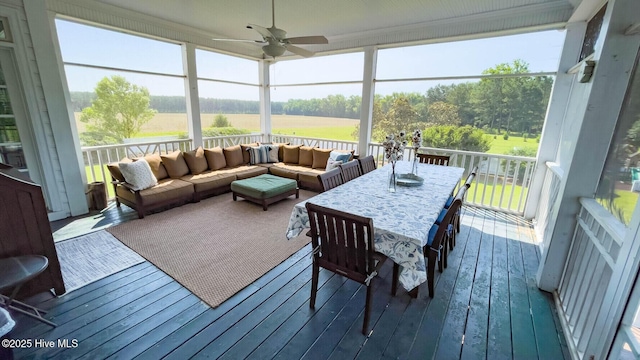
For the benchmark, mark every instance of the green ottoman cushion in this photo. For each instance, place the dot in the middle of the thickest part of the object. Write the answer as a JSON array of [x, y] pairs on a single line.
[[263, 186]]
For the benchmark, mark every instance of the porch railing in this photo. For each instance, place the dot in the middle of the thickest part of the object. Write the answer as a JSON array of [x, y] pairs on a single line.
[[588, 274], [502, 181], [548, 196]]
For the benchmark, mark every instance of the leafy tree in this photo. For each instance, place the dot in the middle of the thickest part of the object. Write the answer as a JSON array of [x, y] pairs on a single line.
[[118, 111], [456, 138], [401, 116], [221, 121], [442, 113]]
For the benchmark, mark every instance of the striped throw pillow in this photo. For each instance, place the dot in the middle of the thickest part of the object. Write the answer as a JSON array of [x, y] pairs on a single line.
[[259, 154]]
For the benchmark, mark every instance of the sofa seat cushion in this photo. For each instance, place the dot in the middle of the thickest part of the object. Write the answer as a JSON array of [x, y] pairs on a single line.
[[165, 190], [248, 171], [310, 176], [287, 171], [210, 180]]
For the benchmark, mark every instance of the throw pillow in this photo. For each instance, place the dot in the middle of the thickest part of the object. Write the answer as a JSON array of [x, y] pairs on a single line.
[[258, 155], [175, 164], [340, 155], [332, 164], [246, 157], [196, 161], [291, 154], [157, 167], [274, 153], [138, 174], [306, 156], [280, 150], [233, 155], [320, 157], [215, 158]]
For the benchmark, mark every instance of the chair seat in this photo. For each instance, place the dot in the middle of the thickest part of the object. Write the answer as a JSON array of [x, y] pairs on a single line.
[[449, 202]]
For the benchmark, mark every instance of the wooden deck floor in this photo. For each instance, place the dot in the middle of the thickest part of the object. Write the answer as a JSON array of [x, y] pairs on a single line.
[[486, 306]]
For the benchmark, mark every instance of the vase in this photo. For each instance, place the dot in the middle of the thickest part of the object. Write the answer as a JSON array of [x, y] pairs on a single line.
[[414, 166], [392, 179]]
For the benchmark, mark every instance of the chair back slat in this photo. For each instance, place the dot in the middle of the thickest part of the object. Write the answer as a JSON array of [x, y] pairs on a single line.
[[434, 159], [330, 179], [344, 241], [367, 164], [350, 170]]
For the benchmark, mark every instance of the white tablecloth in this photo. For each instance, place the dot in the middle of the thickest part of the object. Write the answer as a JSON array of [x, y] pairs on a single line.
[[401, 220]]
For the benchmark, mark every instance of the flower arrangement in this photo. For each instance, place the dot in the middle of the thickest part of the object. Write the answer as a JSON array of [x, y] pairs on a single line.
[[394, 151], [416, 141], [394, 147]]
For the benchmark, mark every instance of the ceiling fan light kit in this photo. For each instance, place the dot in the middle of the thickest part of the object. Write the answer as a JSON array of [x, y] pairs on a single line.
[[277, 41]]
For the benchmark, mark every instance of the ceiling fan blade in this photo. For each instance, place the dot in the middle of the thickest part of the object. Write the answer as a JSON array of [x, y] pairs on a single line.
[[307, 40], [262, 30], [300, 51], [241, 40]]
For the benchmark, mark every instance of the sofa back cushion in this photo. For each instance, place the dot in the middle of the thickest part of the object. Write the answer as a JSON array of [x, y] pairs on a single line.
[[320, 157], [233, 155], [306, 156], [156, 165], [175, 164], [196, 161], [215, 158], [138, 174], [291, 154], [114, 169]]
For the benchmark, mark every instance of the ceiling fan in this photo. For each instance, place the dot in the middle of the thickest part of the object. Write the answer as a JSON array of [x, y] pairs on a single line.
[[276, 40]]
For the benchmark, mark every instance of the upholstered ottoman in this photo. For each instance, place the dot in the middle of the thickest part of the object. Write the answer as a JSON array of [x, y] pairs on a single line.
[[264, 189]]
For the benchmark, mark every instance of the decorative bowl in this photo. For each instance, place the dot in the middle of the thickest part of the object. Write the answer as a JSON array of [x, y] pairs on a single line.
[[409, 180]]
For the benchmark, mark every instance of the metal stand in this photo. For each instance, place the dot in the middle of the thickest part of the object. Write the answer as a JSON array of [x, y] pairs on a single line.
[[9, 303]]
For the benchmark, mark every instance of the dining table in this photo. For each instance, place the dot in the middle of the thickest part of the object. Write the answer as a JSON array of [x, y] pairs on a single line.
[[401, 219]]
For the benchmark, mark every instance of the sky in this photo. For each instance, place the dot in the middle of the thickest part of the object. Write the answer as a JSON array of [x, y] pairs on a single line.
[[91, 45]]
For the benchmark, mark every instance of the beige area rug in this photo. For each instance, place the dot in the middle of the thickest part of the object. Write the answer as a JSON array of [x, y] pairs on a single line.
[[215, 247]]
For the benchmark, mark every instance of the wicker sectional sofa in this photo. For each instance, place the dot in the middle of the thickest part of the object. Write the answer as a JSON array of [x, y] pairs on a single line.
[[190, 176]]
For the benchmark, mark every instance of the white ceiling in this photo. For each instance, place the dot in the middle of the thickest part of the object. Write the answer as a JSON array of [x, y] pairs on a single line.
[[351, 23]]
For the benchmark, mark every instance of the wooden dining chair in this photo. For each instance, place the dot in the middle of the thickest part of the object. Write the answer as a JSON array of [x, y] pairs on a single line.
[[436, 248], [350, 170], [330, 179], [343, 243], [367, 164], [434, 159]]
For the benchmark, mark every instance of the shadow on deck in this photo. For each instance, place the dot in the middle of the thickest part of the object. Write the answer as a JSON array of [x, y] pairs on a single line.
[[486, 306]]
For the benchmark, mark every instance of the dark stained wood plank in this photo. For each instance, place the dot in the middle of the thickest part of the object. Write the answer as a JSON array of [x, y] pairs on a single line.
[[352, 338], [231, 309], [298, 331], [452, 336], [499, 332], [433, 322], [120, 322], [132, 333], [228, 338], [268, 298], [404, 334], [475, 334], [259, 333], [377, 342], [548, 342], [103, 316], [160, 332], [523, 337]]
